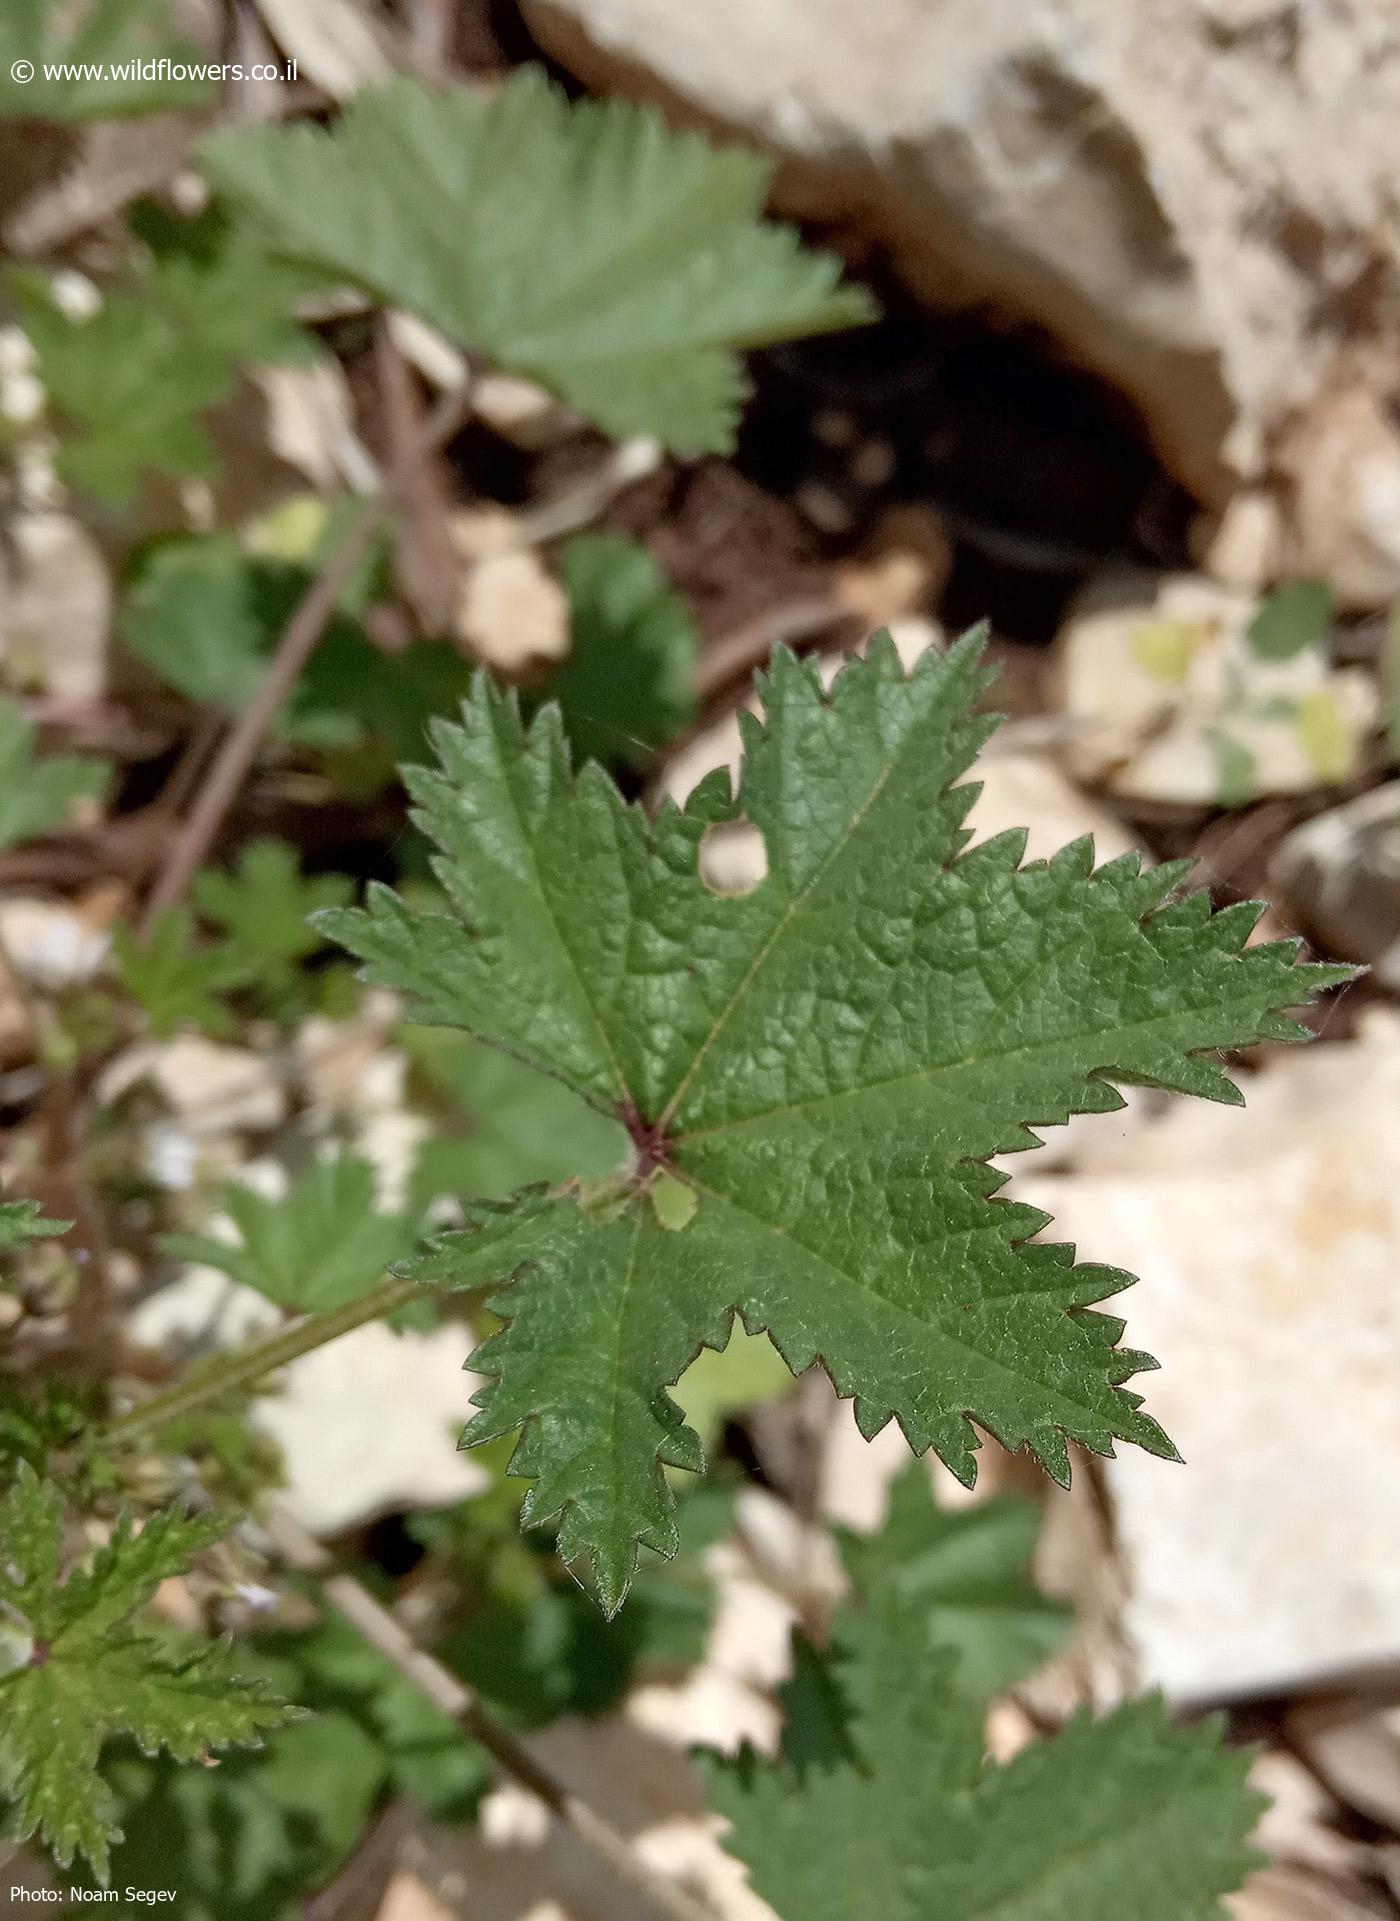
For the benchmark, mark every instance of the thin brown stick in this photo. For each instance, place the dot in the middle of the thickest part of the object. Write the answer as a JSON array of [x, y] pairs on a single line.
[[303, 631], [376, 1625], [735, 655], [188, 770], [426, 563]]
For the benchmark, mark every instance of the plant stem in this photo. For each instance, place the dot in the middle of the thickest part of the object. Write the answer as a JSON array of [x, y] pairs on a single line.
[[225, 1373], [373, 1622], [299, 640], [376, 1625]]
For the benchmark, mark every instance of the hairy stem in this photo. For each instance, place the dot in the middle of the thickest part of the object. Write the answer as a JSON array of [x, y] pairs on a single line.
[[376, 1625], [243, 1366], [190, 845]]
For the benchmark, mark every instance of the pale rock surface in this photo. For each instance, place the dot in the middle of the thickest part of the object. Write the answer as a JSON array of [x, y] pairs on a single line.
[[1340, 468], [55, 606], [51, 944], [201, 1312], [1302, 1822], [1200, 199], [901, 568], [335, 43], [370, 1423], [1242, 547], [409, 1899], [311, 428], [1265, 1245], [511, 610], [211, 1088], [1158, 682], [1353, 1744], [367, 1424], [1340, 876]]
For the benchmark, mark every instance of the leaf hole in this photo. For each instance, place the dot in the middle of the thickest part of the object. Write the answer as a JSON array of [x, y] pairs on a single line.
[[733, 858]]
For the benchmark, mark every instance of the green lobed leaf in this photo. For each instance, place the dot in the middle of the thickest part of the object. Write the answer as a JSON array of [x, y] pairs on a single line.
[[259, 1831], [130, 382], [175, 982], [35, 794], [98, 36], [967, 1574], [90, 1674], [584, 246], [829, 1061], [625, 688], [325, 1242], [882, 1808], [263, 906], [256, 1834]]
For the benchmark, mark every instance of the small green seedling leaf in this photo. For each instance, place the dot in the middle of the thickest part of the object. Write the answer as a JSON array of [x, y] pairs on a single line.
[[1290, 619], [175, 982], [128, 385], [110, 49], [829, 1061], [624, 266], [263, 906], [22, 1221], [36, 795], [625, 688], [324, 1243], [89, 1673], [882, 1806]]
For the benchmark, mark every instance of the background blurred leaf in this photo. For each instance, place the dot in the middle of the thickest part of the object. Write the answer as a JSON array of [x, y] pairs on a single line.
[[37, 794], [514, 1127], [539, 1648], [22, 1221], [625, 688], [130, 382], [175, 982], [262, 906], [206, 617], [1290, 619], [101, 33], [327, 1241], [967, 1573], [720, 1384], [246, 1840], [882, 1806], [584, 246]]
